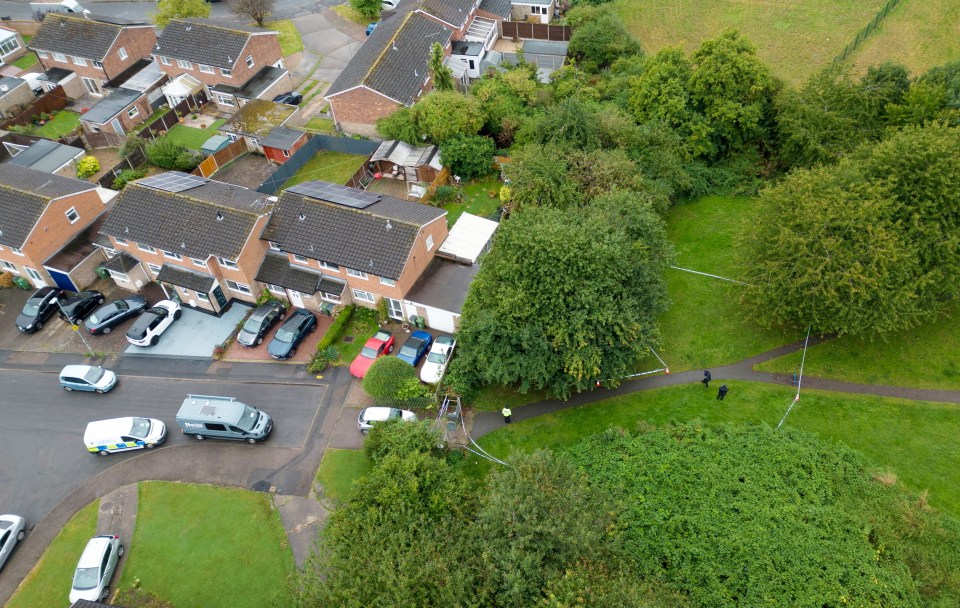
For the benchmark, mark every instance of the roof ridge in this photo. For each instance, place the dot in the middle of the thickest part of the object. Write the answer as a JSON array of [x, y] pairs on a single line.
[[30, 192], [364, 211], [62, 16], [190, 199], [218, 26], [386, 47]]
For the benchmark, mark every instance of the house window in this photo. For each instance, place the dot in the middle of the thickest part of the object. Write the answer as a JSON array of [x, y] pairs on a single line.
[[227, 263], [249, 61], [94, 129], [300, 259], [9, 266], [146, 248], [429, 242], [225, 100], [202, 297], [226, 73], [122, 52], [72, 214], [60, 57], [184, 64], [42, 54], [363, 296], [206, 69], [97, 64], [274, 246], [119, 276], [330, 296], [33, 274], [171, 255], [231, 137], [238, 287], [16, 251], [356, 273], [276, 289], [119, 241], [387, 282], [329, 266], [154, 268], [255, 141], [200, 263], [133, 112], [79, 60], [164, 60]]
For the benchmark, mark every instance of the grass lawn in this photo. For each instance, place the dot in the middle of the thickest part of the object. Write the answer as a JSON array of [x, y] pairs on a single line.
[[925, 357], [347, 12], [48, 584], [339, 469], [335, 167], [476, 199], [361, 327], [918, 441], [64, 122], [26, 61], [290, 41], [320, 125], [919, 35], [193, 138], [794, 37], [231, 539]]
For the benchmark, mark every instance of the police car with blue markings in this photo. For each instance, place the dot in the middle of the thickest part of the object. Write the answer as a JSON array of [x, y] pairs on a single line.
[[121, 434]]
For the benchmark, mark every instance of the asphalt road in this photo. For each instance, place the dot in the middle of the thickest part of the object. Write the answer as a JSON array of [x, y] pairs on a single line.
[[42, 455], [283, 9]]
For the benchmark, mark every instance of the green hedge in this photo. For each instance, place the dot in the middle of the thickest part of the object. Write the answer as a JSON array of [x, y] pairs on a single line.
[[335, 332]]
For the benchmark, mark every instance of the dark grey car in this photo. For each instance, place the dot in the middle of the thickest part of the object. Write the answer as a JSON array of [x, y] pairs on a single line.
[[259, 322], [39, 308]]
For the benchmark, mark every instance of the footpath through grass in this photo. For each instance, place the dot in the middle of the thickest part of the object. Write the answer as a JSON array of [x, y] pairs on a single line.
[[329, 166], [339, 469], [917, 441]]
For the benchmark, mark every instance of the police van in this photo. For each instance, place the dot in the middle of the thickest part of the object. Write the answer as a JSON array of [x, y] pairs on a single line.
[[121, 434], [223, 418]]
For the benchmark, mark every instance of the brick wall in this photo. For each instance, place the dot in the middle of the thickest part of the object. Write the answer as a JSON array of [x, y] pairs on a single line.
[[128, 123], [358, 110], [138, 42]]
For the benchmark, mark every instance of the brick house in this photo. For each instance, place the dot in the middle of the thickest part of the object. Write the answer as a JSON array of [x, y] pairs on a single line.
[[235, 63], [331, 244], [198, 238], [40, 214], [132, 98], [83, 53]]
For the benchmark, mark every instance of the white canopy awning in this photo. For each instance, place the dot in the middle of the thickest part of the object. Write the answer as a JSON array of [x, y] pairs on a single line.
[[468, 238]]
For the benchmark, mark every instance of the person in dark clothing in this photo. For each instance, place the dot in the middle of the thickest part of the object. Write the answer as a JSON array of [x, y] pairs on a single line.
[[706, 378], [722, 392]]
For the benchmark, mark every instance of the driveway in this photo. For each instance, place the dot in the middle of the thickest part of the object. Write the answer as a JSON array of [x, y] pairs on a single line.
[[194, 335]]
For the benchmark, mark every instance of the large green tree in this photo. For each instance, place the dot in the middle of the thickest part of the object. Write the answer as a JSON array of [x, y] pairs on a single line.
[[179, 9], [599, 40]]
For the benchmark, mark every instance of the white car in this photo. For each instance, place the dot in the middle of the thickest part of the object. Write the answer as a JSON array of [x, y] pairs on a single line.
[[146, 330], [372, 415], [97, 563], [436, 363], [12, 531]]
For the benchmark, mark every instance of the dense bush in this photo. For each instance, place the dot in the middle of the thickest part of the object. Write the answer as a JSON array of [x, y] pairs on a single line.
[[6, 279], [126, 176], [335, 332], [168, 154], [386, 377], [87, 166], [468, 156]]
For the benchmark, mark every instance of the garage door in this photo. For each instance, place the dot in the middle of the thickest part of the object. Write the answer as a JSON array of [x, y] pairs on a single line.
[[441, 320], [62, 279]]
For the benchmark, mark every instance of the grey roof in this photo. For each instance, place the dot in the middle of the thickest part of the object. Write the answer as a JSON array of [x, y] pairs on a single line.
[[181, 277], [11, 83], [71, 35], [545, 47], [47, 156], [258, 117], [276, 269], [501, 8], [443, 285], [332, 286], [258, 83], [123, 262], [141, 76], [393, 59], [376, 240], [462, 47], [454, 12], [204, 41], [55, 75], [282, 138], [110, 106], [187, 222]]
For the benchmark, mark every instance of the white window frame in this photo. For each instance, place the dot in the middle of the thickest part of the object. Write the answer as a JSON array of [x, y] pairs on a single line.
[[429, 242], [133, 112], [10, 266], [110, 251], [363, 296], [17, 251], [42, 54], [119, 241], [231, 137], [387, 282], [330, 297], [60, 57], [146, 248], [300, 259], [122, 52], [153, 268], [72, 211], [78, 60], [6, 43], [164, 60], [206, 69], [97, 64], [239, 287], [228, 263], [186, 65], [225, 100], [33, 273], [274, 246], [172, 255], [356, 273], [203, 297], [249, 60], [286, 153], [329, 266], [226, 72], [200, 263], [277, 289], [119, 276]]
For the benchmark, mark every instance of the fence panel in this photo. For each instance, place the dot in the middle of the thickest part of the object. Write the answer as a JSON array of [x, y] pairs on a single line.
[[132, 161], [521, 30], [214, 162], [52, 101], [102, 140]]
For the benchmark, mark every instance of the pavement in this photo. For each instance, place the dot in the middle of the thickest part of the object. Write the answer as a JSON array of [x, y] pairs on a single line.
[[194, 335]]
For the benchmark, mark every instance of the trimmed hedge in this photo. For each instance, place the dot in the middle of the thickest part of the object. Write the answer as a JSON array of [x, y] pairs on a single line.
[[335, 332]]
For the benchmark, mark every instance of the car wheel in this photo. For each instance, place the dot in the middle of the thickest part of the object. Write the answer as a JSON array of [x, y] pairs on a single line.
[[38, 325], [120, 551], [106, 330], [391, 349], [68, 389], [365, 431], [154, 340], [200, 437], [21, 535], [313, 328], [251, 440], [177, 315], [149, 446], [99, 300], [104, 453], [105, 593], [259, 341], [292, 352]]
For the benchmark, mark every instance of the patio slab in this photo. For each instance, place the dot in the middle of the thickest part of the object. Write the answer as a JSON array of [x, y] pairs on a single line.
[[194, 335], [249, 171]]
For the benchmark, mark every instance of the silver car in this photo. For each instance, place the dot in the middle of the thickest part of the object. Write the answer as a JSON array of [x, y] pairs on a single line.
[[97, 563], [12, 531]]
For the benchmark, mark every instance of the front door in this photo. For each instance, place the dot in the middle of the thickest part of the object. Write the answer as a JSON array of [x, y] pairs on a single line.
[[92, 86], [36, 277], [296, 298], [218, 295], [117, 127], [394, 309]]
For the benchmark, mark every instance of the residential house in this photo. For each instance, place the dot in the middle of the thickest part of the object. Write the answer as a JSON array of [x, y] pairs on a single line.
[[11, 46], [281, 143], [257, 119], [81, 53], [40, 214], [132, 97], [47, 156], [234, 63], [535, 11], [198, 238], [332, 244], [15, 96]]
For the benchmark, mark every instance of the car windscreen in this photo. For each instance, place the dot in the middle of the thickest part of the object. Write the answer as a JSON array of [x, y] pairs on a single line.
[[93, 375], [368, 352], [249, 418], [253, 325], [285, 334], [32, 307], [86, 578], [140, 428], [394, 414], [436, 357], [408, 351]]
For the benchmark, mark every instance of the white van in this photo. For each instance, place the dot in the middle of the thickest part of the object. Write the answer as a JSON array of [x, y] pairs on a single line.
[[121, 434]]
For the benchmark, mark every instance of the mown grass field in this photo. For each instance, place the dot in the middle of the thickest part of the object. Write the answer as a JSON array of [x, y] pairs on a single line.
[[339, 469]]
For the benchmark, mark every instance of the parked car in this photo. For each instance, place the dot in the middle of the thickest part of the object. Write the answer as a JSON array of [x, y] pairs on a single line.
[[41, 305], [372, 415], [380, 344], [76, 308], [91, 581], [371, 27], [104, 437], [291, 98], [146, 330], [415, 347], [437, 359], [389, 5], [111, 314], [260, 321], [87, 378], [291, 333], [13, 529]]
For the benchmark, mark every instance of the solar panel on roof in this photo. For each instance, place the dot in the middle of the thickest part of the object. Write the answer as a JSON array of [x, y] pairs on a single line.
[[335, 193], [172, 181]]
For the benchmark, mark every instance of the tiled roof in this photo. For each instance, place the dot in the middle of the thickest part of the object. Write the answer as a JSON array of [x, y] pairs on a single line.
[[258, 117], [393, 59], [87, 38], [24, 194], [454, 12], [332, 286], [501, 8], [212, 219], [122, 262], [376, 240], [276, 269], [181, 277], [204, 41], [253, 88]]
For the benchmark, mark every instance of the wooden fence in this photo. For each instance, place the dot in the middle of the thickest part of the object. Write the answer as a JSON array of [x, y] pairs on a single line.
[[442, 178], [214, 162], [164, 123], [133, 161], [521, 30], [52, 101], [93, 141]]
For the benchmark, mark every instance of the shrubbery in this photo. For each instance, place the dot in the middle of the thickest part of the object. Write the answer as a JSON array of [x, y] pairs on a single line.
[[126, 176], [387, 377], [168, 154], [468, 156], [87, 166]]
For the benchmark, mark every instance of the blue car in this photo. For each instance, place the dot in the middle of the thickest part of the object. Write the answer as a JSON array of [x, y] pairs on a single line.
[[370, 28], [415, 347]]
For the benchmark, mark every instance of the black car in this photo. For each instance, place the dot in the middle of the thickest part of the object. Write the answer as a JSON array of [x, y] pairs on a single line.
[[293, 330], [259, 322], [38, 309], [111, 314], [76, 308], [292, 98]]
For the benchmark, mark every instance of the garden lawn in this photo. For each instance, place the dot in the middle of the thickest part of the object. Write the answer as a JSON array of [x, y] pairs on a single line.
[[64, 122], [339, 469], [320, 125], [329, 166], [200, 545], [191, 137], [476, 199], [48, 584], [359, 329], [348, 13], [918, 441], [925, 357], [795, 38], [290, 41]]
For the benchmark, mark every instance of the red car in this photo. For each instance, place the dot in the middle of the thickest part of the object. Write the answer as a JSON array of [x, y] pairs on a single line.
[[380, 344]]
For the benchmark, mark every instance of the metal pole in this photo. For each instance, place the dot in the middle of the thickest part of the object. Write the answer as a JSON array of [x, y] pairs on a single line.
[[76, 328]]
